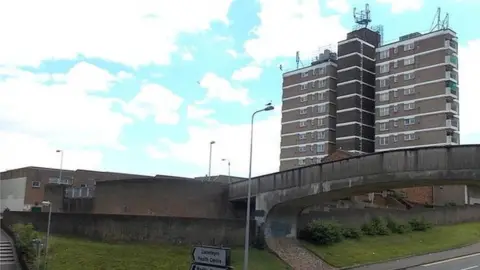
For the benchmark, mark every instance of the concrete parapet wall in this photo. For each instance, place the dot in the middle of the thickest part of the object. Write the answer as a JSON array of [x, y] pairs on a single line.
[[130, 228], [356, 217]]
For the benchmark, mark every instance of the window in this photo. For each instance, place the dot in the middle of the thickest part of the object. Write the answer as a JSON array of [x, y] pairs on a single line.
[[395, 108], [384, 96], [409, 61], [322, 83], [384, 68], [384, 54], [409, 137], [35, 184], [409, 106], [321, 96], [383, 82], [395, 78], [408, 76], [395, 138], [322, 108], [395, 64], [384, 111], [395, 93], [321, 135], [383, 126], [383, 140], [408, 91], [395, 123], [408, 47], [303, 86], [320, 148], [314, 71], [83, 185], [314, 84], [408, 121], [302, 148], [301, 161], [304, 74], [303, 98], [321, 71], [395, 50], [321, 121], [303, 111], [301, 136], [302, 123]]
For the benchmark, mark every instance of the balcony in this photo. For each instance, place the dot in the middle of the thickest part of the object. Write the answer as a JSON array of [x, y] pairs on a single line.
[[452, 107], [452, 123], [451, 75], [452, 45], [58, 181], [80, 192], [452, 59], [452, 139]]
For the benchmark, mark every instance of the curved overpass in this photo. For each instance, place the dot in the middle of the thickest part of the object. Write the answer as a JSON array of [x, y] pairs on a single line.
[[284, 195]]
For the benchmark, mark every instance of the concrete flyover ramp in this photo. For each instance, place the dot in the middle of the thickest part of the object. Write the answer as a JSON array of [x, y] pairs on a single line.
[[284, 195]]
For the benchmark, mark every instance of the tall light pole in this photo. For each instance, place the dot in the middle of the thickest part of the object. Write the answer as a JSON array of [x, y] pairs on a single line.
[[49, 204], [61, 165], [268, 107], [229, 176], [210, 161]]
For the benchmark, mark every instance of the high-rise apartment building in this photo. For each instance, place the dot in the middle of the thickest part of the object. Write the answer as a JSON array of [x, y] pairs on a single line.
[[308, 112], [416, 91]]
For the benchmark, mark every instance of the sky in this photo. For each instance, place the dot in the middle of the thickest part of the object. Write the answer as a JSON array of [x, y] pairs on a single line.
[[143, 86]]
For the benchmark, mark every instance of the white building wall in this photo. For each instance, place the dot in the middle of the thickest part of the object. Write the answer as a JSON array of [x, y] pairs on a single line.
[[12, 193]]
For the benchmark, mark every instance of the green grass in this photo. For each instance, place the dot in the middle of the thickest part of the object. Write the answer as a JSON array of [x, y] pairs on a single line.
[[79, 254], [383, 248]]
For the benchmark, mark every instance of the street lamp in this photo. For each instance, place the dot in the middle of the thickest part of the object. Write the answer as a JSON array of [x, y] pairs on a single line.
[[61, 165], [268, 107], [229, 177], [210, 161], [49, 204]]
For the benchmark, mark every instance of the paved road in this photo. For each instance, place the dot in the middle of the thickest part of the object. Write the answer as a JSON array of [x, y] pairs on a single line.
[[469, 262]]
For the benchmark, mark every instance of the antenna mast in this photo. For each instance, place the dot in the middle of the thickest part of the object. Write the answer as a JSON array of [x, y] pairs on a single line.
[[438, 23], [362, 18], [298, 60]]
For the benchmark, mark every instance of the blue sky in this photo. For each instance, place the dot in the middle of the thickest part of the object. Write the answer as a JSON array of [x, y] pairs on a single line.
[[144, 86]]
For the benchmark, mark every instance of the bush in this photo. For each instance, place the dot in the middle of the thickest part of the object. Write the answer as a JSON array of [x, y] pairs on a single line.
[[396, 226], [420, 224], [376, 226], [322, 232], [352, 233], [25, 234]]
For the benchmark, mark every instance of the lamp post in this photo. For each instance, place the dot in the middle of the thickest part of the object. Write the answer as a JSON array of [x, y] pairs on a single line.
[[210, 161], [61, 165], [268, 107], [49, 204], [229, 176]]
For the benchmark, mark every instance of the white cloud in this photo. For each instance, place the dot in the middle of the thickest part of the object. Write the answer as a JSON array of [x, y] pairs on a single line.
[[194, 112], [340, 6], [233, 53], [249, 72], [232, 142], [41, 112], [399, 6], [290, 25], [157, 101], [469, 90], [187, 56], [154, 153], [220, 88], [129, 32]]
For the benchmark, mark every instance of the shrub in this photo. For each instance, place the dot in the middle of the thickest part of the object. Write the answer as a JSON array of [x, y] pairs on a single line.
[[25, 234], [352, 233], [420, 224], [396, 226], [322, 232], [376, 226]]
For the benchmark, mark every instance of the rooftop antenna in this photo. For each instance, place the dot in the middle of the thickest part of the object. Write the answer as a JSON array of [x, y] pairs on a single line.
[[362, 18], [438, 23], [297, 59]]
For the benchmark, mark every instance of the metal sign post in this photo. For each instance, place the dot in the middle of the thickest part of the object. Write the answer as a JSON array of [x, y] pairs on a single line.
[[210, 258]]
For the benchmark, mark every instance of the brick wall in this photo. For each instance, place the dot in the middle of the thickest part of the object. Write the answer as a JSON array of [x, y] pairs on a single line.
[[163, 196], [129, 228], [356, 217]]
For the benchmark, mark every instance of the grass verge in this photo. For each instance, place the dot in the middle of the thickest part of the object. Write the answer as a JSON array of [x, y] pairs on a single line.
[[383, 248], [80, 254]]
